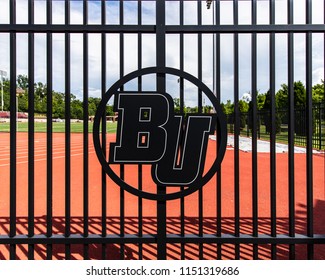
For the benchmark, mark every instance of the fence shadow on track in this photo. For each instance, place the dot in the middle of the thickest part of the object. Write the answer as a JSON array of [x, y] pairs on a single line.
[[148, 251]]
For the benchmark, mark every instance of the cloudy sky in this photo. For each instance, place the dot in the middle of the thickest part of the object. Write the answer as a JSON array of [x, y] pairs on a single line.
[[172, 48]]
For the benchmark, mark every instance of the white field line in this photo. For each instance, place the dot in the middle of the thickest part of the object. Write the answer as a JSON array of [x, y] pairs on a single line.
[[41, 149], [44, 159], [38, 155]]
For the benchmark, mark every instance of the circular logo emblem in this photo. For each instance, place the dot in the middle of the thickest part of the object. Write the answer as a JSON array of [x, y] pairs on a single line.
[[150, 133]]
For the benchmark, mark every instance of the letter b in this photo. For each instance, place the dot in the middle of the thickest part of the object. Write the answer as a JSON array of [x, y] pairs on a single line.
[[141, 136]]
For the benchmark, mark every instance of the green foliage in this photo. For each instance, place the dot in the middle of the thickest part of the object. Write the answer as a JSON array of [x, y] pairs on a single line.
[[76, 109], [109, 110], [227, 108], [260, 101], [6, 96], [58, 105], [282, 96], [243, 106], [177, 102], [318, 93], [267, 115], [22, 82], [58, 100]]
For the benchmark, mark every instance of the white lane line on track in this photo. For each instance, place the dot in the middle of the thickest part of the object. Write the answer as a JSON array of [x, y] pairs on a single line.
[[39, 146], [44, 159], [43, 150], [38, 155]]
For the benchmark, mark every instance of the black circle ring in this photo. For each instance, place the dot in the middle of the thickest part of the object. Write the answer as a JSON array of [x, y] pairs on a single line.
[[222, 136]]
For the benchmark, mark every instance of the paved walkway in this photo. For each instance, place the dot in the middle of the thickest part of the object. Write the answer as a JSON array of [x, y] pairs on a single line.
[[245, 145]]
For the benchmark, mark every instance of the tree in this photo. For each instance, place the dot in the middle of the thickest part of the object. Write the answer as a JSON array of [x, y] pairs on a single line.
[[267, 115], [243, 106], [6, 95], [207, 109], [22, 82], [318, 92], [243, 109], [177, 105], [109, 110], [23, 102], [260, 100], [228, 108], [282, 96], [76, 109], [93, 103], [58, 105]]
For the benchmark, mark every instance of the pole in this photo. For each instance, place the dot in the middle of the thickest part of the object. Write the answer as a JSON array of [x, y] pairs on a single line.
[[2, 74], [213, 53], [17, 111], [161, 87], [1, 94]]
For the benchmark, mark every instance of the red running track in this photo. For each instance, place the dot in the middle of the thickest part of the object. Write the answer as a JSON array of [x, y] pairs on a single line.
[[149, 207]]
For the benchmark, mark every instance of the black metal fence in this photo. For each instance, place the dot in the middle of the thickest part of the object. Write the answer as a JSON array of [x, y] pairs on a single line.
[[282, 125], [157, 235]]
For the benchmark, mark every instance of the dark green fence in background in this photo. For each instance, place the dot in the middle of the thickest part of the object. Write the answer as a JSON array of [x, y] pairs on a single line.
[[263, 125]]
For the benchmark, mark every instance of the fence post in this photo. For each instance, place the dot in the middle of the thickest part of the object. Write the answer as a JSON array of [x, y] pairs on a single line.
[[161, 85]]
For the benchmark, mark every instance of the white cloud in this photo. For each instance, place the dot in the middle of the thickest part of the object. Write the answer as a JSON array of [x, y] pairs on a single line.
[[173, 51], [94, 12], [318, 58], [40, 12], [172, 12], [148, 12], [4, 11], [22, 12], [244, 12], [131, 12], [58, 12], [22, 54], [246, 97], [226, 12], [4, 52]]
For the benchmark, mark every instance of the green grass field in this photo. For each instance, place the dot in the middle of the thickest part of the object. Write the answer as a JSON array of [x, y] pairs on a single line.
[[57, 127]]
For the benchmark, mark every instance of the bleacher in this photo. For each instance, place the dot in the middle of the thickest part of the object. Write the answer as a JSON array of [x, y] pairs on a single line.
[[6, 115]]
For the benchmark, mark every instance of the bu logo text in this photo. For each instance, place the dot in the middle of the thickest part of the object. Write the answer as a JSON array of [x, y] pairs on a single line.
[[149, 132]]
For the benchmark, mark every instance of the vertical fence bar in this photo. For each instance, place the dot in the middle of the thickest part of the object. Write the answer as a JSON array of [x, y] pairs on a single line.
[[122, 193], [237, 130], [181, 57], [255, 125], [273, 131], [67, 132], [13, 130], [31, 170], [309, 121], [85, 132], [218, 94], [291, 131], [103, 85], [140, 173], [49, 140], [161, 87], [181, 95], [200, 109]]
